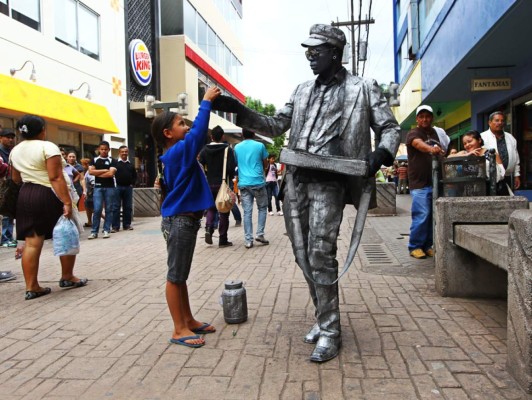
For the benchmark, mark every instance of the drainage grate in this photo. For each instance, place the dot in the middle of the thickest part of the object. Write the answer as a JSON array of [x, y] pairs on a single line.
[[376, 254]]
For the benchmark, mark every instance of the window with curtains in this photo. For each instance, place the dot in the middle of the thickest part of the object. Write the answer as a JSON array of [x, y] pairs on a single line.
[[77, 26]]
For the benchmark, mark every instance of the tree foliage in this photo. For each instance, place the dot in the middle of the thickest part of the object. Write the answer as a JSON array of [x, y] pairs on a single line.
[[267, 109]]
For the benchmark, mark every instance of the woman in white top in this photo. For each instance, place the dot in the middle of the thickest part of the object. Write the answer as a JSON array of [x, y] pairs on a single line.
[[42, 199]]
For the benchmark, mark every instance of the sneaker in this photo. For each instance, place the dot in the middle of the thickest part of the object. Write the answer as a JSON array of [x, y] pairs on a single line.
[[262, 239], [270, 213], [238, 223], [418, 253], [6, 276], [92, 236], [5, 244], [225, 244], [208, 237], [248, 245], [106, 235], [12, 243], [430, 252], [280, 213]]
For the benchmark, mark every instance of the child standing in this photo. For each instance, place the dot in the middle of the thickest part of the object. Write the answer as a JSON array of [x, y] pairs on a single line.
[[186, 196], [271, 185]]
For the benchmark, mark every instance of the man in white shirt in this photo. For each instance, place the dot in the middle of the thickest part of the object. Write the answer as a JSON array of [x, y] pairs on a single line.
[[506, 146]]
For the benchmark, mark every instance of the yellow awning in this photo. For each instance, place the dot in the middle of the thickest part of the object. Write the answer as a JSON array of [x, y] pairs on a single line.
[[20, 97]]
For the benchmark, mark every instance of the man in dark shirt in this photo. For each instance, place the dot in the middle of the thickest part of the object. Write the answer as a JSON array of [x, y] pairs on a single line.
[[103, 168], [126, 176], [7, 142], [422, 143], [212, 159]]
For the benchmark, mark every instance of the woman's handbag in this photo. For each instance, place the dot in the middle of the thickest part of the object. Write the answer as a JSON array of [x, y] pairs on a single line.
[[226, 198], [9, 195]]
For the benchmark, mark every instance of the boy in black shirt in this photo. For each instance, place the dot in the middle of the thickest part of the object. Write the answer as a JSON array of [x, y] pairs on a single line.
[[103, 168]]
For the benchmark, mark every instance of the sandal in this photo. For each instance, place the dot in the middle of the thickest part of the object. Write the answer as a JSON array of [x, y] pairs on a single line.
[[71, 284], [33, 295]]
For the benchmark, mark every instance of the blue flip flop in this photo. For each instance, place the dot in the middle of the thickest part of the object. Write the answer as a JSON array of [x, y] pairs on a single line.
[[182, 341], [200, 330]]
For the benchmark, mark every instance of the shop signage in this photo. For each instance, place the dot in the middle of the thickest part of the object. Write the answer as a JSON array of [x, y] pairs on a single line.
[[479, 85], [140, 59]]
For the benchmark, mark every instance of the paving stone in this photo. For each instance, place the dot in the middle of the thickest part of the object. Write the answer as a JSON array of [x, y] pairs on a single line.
[[426, 387], [442, 353], [478, 386], [410, 338], [388, 387], [85, 368]]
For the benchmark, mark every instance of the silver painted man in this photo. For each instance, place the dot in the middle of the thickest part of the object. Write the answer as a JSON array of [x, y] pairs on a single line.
[[330, 116]]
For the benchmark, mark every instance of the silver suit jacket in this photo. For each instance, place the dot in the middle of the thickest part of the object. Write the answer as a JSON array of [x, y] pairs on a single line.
[[365, 108]]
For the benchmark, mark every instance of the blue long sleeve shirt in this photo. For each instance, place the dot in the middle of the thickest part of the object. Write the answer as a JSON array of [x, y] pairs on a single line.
[[187, 187]]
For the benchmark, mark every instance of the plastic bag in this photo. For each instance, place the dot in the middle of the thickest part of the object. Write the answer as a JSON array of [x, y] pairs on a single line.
[[66, 237]]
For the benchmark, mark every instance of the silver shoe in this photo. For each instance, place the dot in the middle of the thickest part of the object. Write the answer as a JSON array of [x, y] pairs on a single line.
[[313, 334], [326, 349]]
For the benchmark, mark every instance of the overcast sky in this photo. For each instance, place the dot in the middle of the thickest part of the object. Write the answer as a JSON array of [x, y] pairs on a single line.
[[274, 61]]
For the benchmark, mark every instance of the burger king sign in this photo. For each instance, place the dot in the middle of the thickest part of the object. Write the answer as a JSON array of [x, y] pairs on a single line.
[[140, 59]]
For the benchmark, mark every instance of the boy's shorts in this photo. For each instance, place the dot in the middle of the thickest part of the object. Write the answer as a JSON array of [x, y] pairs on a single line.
[[180, 233]]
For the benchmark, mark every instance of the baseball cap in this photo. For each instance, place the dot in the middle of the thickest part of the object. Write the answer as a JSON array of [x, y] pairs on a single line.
[[321, 34], [424, 108], [7, 132]]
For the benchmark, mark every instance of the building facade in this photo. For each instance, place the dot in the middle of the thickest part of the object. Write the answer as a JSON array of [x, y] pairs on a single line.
[[64, 60], [466, 58], [192, 44]]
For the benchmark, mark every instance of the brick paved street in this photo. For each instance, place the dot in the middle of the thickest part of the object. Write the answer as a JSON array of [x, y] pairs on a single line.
[[109, 340]]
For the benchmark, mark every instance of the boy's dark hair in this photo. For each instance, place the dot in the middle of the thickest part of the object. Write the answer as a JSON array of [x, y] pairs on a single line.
[[30, 126], [271, 155], [104, 143], [247, 134], [217, 133], [123, 147], [161, 122]]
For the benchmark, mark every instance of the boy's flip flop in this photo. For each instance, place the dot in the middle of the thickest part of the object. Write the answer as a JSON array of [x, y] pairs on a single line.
[[182, 341], [202, 330]]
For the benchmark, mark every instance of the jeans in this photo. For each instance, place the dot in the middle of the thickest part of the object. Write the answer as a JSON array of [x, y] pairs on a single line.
[[248, 193], [421, 228], [180, 233], [7, 229], [236, 213], [124, 198], [103, 197], [273, 190]]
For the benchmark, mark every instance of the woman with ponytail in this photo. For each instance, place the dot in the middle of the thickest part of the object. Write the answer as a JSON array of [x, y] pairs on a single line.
[[43, 198], [186, 194]]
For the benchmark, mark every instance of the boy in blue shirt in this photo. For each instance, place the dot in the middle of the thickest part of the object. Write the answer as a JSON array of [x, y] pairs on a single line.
[[186, 196]]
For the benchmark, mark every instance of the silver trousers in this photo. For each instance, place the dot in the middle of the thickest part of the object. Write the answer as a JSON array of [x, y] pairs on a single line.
[[320, 206]]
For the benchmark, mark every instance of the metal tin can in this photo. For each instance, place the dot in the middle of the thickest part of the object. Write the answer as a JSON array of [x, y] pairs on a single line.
[[234, 302]]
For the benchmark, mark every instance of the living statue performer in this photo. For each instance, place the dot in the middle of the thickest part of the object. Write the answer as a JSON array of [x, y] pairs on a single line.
[[330, 162]]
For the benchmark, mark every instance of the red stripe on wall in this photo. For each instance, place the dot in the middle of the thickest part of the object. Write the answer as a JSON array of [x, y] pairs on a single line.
[[195, 58]]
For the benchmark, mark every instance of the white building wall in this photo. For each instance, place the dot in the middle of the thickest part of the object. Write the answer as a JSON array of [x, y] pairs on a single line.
[[60, 67]]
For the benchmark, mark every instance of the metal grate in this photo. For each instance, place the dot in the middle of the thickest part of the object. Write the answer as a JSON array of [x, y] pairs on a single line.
[[376, 254]]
